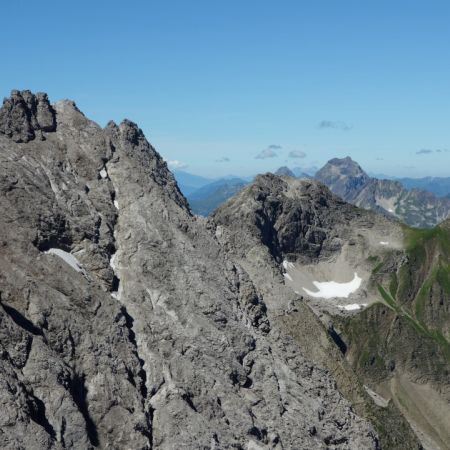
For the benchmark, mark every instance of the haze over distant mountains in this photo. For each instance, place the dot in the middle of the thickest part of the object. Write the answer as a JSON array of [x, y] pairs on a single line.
[[439, 186]]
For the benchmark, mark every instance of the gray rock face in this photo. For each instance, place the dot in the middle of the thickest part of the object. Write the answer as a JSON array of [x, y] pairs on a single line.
[[24, 115], [123, 321], [289, 217]]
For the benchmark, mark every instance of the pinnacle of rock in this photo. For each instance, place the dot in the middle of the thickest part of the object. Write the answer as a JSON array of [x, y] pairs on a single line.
[[25, 115]]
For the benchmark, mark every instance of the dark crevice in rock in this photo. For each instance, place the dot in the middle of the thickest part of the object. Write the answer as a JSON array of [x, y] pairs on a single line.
[[132, 336], [38, 415], [337, 340], [20, 320], [260, 434], [62, 432], [148, 410], [79, 392], [187, 397], [130, 377], [115, 284]]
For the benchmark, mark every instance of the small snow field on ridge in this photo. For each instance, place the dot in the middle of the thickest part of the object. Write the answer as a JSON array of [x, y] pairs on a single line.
[[304, 281]]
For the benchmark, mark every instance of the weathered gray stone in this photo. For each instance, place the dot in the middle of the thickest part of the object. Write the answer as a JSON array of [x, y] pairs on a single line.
[[24, 115], [160, 340]]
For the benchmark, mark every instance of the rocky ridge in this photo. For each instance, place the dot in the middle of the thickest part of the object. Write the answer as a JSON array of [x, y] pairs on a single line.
[[124, 323], [398, 345]]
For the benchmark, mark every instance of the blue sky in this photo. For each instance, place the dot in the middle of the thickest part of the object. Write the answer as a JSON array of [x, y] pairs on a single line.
[[215, 83]]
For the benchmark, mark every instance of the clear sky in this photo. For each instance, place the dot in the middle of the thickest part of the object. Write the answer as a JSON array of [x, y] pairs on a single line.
[[214, 84]]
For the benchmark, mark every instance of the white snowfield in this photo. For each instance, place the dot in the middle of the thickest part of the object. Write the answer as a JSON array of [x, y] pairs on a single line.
[[286, 275], [103, 173], [288, 265], [384, 243], [116, 204], [331, 289], [67, 258], [353, 306]]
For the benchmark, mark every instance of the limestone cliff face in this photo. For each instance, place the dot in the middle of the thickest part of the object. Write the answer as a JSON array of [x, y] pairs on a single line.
[[123, 322]]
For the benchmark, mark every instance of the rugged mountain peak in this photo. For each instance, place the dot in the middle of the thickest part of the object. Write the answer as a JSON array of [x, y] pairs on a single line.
[[24, 115], [418, 208], [343, 166], [285, 172], [288, 215]]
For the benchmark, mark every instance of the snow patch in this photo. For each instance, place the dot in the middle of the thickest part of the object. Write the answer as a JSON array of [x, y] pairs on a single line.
[[286, 275], [111, 262], [103, 173], [390, 210], [331, 289], [67, 258], [116, 204], [353, 306], [384, 243], [288, 265]]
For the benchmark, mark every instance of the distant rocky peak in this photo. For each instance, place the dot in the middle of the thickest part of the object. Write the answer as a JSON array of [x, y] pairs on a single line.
[[345, 166], [24, 116], [284, 171]]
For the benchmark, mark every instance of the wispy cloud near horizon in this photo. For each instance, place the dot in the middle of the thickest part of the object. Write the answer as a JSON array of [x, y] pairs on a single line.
[[297, 154], [336, 125], [269, 152], [177, 165], [266, 153], [223, 159], [428, 151]]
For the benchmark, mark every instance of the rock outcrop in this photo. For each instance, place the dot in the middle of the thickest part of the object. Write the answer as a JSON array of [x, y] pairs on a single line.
[[123, 321], [24, 115]]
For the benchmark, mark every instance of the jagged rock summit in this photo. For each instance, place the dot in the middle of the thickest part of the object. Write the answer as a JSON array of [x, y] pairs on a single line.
[[25, 115], [124, 322]]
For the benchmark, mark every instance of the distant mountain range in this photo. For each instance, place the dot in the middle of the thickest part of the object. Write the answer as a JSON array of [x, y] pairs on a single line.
[[188, 182], [206, 194], [439, 186], [414, 207], [421, 202], [207, 198]]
